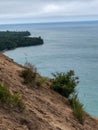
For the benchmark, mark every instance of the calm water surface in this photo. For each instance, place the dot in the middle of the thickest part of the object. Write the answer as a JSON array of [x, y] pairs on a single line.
[[66, 46]]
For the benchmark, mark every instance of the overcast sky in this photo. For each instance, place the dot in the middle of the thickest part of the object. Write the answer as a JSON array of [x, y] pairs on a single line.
[[24, 11]]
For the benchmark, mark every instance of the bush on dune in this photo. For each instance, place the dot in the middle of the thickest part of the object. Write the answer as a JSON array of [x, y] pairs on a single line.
[[10, 100], [65, 84], [29, 74]]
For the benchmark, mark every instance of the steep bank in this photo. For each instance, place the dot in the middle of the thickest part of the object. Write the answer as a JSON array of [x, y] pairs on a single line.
[[44, 108]]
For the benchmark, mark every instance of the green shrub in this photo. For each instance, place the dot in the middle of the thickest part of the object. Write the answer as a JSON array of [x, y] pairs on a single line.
[[41, 81], [5, 95], [77, 107], [29, 74], [64, 83], [11, 100], [16, 101]]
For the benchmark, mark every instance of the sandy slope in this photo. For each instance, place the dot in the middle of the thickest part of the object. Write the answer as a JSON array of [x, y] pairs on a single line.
[[45, 109]]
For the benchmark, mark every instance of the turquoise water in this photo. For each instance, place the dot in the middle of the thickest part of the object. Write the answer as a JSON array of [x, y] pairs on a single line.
[[66, 46]]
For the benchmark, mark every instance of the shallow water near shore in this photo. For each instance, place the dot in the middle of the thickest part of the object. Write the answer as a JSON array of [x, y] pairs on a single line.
[[66, 46]]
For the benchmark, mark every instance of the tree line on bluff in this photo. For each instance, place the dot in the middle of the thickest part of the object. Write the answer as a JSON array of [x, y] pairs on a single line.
[[12, 39]]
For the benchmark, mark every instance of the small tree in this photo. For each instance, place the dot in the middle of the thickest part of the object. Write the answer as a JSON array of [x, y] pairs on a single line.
[[65, 83]]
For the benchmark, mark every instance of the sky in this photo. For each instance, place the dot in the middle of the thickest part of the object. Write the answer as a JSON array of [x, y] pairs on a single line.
[[36, 11]]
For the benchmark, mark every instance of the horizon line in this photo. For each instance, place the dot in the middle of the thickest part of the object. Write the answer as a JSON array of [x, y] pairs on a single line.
[[50, 22]]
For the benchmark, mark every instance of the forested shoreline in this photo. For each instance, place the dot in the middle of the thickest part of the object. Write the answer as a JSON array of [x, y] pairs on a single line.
[[12, 39]]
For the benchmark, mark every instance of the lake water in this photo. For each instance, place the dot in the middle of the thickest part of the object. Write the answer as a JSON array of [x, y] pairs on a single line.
[[66, 46]]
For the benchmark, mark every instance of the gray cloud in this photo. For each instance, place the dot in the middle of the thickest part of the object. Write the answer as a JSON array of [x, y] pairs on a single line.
[[44, 10]]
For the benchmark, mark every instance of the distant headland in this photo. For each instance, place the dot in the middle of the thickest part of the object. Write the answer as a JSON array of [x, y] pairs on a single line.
[[13, 39]]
